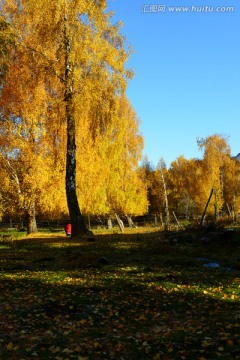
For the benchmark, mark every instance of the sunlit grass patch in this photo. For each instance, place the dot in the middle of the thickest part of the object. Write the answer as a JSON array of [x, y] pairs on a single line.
[[60, 245], [4, 247]]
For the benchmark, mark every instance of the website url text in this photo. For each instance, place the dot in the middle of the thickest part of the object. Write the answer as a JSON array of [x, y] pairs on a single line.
[[189, 9]]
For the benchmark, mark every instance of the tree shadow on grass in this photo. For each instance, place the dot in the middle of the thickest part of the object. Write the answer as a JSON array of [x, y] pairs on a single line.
[[147, 253], [113, 313]]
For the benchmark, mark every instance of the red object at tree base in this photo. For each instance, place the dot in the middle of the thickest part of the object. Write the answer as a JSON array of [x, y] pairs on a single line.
[[68, 229]]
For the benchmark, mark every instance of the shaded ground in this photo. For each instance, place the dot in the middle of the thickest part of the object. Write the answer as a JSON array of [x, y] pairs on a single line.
[[133, 296]]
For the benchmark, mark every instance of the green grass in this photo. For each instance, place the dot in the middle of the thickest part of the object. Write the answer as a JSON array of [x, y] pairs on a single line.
[[150, 299]]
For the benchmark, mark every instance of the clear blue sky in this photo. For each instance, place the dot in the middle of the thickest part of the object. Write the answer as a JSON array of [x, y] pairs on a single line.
[[187, 73]]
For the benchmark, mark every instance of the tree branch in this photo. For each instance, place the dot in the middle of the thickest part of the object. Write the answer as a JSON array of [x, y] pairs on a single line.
[[50, 62]]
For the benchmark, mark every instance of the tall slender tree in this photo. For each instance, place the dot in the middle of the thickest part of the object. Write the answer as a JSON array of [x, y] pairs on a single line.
[[162, 169], [216, 152], [184, 186], [126, 192], [74, 46]]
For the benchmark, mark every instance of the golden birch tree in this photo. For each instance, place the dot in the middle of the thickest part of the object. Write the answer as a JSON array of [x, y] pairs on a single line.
[[231, 186], [24, 137], [108, 160], [216, 151], [74, 46], [126, 191], [184, 186], [152, 183], [162, 173]]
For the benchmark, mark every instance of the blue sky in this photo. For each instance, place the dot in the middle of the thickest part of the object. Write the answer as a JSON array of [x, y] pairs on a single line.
[[187, 73]]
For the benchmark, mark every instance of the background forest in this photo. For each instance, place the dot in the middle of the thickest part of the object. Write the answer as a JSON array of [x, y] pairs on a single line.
[[69, 134]]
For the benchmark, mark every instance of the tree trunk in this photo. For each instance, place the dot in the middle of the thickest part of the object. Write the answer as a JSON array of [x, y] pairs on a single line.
[[234, 217], [216, 212], [167, 222], [204, 212], [31, 220], [228, 210], [120, 223], [130, 222], [76, 218], [89, 222], [109, 223], [161, 219], [174, 215]]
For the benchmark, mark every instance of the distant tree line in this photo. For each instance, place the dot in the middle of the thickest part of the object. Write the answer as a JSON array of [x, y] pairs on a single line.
[[185, 188]]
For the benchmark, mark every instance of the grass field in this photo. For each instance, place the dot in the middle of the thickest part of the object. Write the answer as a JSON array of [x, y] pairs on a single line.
[[139, 295]]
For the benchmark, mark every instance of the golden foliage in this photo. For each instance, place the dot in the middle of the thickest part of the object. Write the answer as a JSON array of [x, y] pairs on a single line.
[[69, 48]]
